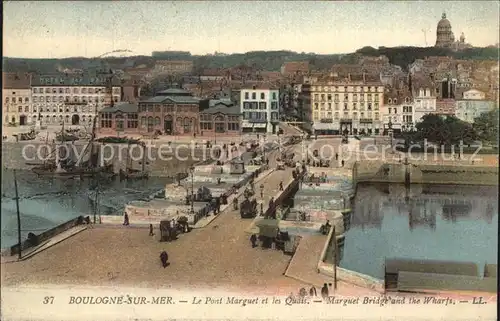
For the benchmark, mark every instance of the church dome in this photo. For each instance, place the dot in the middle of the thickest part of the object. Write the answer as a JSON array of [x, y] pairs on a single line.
[[444, 23]]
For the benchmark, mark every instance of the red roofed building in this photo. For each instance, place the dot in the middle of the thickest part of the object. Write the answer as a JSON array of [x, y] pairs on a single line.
[[295, 68]]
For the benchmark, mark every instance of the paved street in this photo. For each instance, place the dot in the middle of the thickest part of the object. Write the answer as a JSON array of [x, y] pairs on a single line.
[[219, 255]]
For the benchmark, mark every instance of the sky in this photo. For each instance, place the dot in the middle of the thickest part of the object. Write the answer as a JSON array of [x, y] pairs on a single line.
[[60, 29]]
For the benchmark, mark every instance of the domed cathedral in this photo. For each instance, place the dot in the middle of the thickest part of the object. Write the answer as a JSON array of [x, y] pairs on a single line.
[[445, 37]]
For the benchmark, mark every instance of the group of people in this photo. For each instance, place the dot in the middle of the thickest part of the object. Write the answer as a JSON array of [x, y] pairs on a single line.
[[325, 292]]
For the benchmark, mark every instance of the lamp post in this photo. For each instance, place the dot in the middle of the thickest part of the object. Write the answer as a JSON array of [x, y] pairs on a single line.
[[262, 191], [389, 125], [191, 169]]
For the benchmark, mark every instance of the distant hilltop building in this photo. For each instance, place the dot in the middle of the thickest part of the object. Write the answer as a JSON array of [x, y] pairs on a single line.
[[445, 37]]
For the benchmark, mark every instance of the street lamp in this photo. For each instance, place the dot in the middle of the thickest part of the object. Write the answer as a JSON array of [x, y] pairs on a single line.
[[191, 169], [262, 191]]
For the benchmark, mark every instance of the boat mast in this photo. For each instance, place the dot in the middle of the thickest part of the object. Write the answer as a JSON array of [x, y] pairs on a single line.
[[18, 217]]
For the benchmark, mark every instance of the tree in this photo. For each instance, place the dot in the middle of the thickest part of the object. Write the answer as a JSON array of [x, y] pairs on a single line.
[[486, 126], [447, 130]]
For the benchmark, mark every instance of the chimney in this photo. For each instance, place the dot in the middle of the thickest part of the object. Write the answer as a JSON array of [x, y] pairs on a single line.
[[349, 77]]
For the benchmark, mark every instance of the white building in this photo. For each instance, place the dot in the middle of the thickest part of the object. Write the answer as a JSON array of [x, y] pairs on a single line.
[[260, 109], [72, 99], [474, 94], [398, 110], [424, 102], [16, 99], [468, 109]]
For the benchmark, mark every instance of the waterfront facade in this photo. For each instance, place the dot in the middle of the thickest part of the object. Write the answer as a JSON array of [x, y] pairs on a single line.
[[71, 99], [16, 99], [260, 109], [346, 107], [171, 112]]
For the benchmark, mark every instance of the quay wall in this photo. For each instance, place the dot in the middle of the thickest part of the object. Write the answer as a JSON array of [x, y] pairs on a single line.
[[44, 236], [380, 172]]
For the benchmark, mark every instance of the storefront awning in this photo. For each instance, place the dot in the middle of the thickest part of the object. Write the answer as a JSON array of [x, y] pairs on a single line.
[[247, 125], [259, 125], [323, 126]]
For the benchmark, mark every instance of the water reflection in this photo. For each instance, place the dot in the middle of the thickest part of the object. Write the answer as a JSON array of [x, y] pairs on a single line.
[[457, 223], [46, 202]]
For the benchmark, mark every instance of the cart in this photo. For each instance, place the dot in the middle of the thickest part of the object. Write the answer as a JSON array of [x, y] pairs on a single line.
[[248, 208]]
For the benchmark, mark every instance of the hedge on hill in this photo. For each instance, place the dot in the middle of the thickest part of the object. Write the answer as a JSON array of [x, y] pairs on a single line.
[[486, 127]]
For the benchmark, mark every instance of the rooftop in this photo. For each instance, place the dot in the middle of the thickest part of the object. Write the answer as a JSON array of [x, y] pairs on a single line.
[[174, 92], [60, 79], [233, 110], [124, 107], [172, 99]]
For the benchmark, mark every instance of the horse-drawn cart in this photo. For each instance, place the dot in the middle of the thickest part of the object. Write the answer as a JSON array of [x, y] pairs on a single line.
[[248, 208]]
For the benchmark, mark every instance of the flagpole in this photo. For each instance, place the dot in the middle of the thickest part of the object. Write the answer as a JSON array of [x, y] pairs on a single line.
[[18, 217]]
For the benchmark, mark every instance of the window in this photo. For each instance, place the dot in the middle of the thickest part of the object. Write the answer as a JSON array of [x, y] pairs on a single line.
[[389, 101], [233, 126], [262, 96], [7, 100], [119, 123], [262, 105], [354, 106], [247, 95], [254, 96], [20, 109], [75, 90], [274, 116], [274, 96], [274, 105], [246, 105], [345, 106], [48, 99], [26, 100], [106, 120]]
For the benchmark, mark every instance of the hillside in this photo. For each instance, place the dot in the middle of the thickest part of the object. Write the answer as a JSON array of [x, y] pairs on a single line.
[[262, 60]]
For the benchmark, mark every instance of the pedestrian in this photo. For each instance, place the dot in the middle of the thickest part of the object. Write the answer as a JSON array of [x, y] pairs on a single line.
[[324, 291], [281, 186], [151, 230], [312, 292], [253, 240], [125, 219], [336, 156], [217, 205], [164, 259], [342, 163]]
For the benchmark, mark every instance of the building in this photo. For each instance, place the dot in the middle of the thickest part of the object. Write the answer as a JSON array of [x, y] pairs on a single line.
[[222, 118], [445, 37], [346, 107], [16, 98], [474, 94], [292, 68], [260, 109], [424, 100], [172, 67], [122, 117], [171, 112], [397, 111], [468, 109], [72, 99], [445, 107]]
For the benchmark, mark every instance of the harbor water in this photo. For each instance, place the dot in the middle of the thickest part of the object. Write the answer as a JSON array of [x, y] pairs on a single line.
[[447, 223], [46, 202]]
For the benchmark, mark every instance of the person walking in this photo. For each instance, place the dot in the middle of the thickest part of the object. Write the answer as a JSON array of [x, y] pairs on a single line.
[[125, 220], [151, 233], [253, 240], [343, 163], [324, 291], [281, 186], [164, 259]]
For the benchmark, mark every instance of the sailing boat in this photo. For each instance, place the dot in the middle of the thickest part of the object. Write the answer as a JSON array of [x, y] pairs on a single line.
[[68, 167], [131, 173], [48, 161]]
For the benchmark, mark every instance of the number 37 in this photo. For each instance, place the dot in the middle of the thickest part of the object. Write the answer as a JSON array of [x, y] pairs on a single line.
[[48, 300]]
